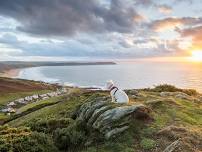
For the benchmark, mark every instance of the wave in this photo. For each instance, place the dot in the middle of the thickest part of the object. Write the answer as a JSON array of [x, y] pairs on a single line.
[[91, 87], [36, 74]]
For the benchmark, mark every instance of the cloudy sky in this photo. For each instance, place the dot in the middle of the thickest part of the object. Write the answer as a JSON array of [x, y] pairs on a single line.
[[98, 29]]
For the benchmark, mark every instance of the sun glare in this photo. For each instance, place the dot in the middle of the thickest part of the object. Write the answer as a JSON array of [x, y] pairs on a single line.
[[196, 56]]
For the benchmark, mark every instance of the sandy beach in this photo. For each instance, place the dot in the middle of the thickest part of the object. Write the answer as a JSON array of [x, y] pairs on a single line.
[[12, 73]]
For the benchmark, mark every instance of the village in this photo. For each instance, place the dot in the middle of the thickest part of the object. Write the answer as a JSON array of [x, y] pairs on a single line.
[[11, 106]]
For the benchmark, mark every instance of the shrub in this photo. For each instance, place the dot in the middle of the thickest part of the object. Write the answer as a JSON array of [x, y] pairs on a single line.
[[39, 142], [23, 140], [165, 88], [70, 138], [171, 88], [147, 143], [50, 125]]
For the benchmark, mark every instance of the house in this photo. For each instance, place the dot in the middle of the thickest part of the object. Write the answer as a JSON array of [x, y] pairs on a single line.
[[44, 98], [8, 110], [28, 98], [11, 104], [52, 94], [21, 101], [35, 97]]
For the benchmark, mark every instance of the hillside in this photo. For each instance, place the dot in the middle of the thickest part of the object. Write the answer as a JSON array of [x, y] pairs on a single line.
[[175, 115], [8, 85]]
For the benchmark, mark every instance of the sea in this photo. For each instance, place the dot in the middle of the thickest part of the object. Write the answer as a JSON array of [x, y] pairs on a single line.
[[126, 75]]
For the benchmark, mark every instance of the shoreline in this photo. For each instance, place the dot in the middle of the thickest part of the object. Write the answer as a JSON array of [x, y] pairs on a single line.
[[12, 73]]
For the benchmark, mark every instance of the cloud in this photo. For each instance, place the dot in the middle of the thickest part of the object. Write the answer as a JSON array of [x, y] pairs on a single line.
[[195, 34], [171, 23], [61, 18], [144, 2], [165, 9]]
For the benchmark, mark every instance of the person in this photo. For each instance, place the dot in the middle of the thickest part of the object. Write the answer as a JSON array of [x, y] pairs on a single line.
[[118, 95]]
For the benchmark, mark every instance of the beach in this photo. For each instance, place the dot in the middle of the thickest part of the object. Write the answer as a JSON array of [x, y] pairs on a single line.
[[12, 73]]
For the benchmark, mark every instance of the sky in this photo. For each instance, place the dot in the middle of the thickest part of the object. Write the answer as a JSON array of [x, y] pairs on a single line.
[[42, 30]]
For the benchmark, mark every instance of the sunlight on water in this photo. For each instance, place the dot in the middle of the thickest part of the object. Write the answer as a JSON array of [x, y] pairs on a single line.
[[126, 75]]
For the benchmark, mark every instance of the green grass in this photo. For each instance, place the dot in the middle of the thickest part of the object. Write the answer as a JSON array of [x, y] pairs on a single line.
[[7, 97], [139, 137], [58, 110], [3, 116], [38, 103], [147, 143]]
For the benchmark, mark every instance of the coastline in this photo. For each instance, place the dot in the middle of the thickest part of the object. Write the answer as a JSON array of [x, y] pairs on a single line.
[[12, 73]]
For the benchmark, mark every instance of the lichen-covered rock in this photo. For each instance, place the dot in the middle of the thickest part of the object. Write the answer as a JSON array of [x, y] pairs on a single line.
[[134, 92], [108, 118], [183, 96], [166, 94]]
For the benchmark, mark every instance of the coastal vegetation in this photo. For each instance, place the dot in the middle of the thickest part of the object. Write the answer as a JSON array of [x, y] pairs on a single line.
[[173, 114]]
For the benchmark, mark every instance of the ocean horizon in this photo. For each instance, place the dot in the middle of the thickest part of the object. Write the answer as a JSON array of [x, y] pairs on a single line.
[[126, 75]]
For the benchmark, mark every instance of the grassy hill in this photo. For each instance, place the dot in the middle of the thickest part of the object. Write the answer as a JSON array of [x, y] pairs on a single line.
[[11, 89], [49, 125]]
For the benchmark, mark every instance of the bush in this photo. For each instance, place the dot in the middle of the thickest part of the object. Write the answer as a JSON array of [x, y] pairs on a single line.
[[71, 138], [36, 142], [147, 143], [171, 88], [50, 125], [23, 140]]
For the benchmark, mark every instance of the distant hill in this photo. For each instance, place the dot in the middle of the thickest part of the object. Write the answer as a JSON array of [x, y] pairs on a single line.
[[8, 85], [7, 65]]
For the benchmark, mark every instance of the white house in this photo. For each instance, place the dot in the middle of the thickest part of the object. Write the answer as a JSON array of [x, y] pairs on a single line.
[[35, 97], [11, 103]]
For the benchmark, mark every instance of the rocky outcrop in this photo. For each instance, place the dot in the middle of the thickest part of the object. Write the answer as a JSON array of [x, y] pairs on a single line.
[[108, 118], [178, 95]]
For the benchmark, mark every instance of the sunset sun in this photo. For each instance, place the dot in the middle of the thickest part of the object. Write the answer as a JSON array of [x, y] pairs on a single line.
[[196, 56]]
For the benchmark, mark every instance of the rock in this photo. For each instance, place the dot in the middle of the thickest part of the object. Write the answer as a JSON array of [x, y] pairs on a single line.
[[154, 101], [181, 95], [173, 132], [135, 97], [172, 146], [133, 92], [115, 131], [108, 118], [166, 94], [171, 128]]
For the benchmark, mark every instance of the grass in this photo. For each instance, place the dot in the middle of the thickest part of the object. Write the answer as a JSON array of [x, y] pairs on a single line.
[[38, 103], [140, 137], [7, 97], [63, 108], [147, 143], [3, 116]]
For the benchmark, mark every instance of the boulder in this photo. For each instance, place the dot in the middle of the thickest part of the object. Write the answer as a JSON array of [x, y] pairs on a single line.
[[133, 92], [108, 118], [135, 97], [166, 94], [184, 96]]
